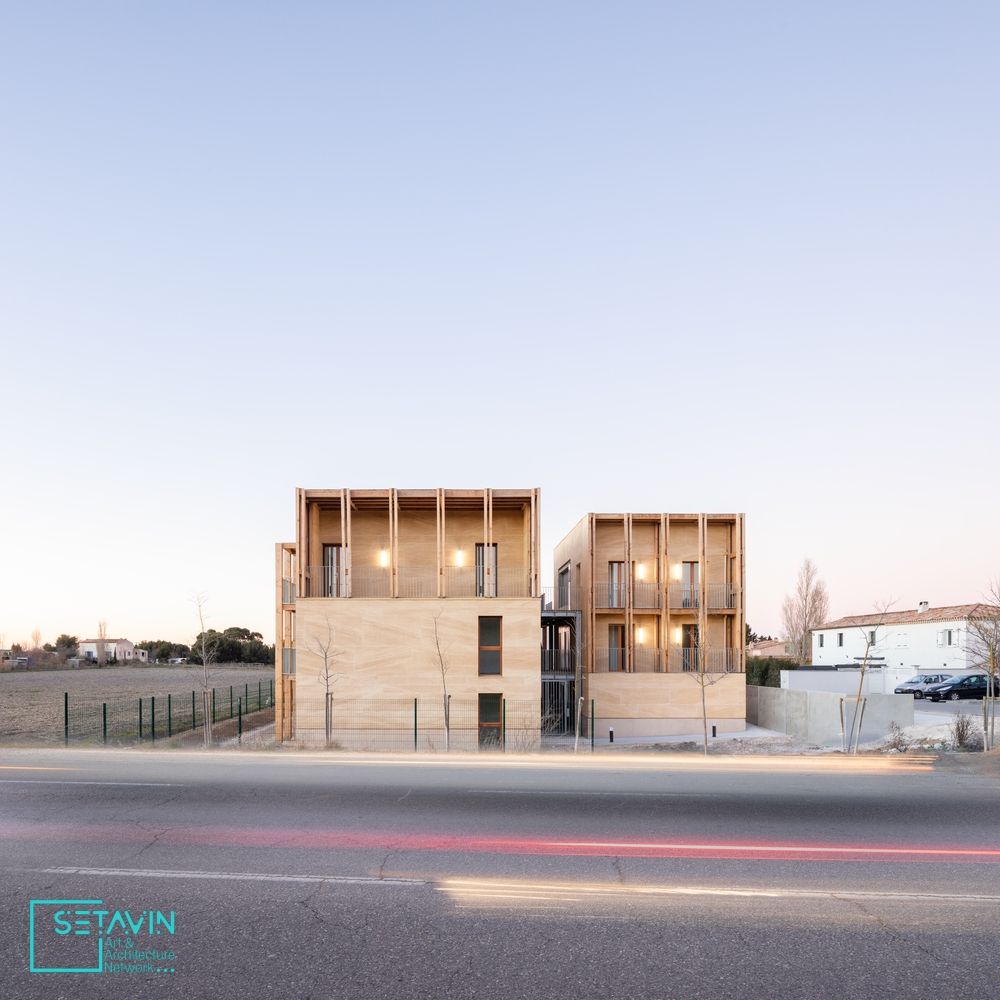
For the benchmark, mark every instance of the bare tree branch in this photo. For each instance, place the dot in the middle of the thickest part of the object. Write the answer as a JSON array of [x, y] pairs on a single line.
[[804, 610], [444, 666]]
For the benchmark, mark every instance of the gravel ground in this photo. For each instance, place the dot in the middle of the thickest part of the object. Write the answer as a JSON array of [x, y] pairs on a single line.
[[767, 745], [31, 701]]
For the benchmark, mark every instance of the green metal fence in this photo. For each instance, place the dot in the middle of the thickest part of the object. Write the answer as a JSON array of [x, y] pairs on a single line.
[[134, 719], [418, 724]]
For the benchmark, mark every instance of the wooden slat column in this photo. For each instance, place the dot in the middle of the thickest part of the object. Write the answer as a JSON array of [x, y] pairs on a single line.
[[347, 543], [702, 586]]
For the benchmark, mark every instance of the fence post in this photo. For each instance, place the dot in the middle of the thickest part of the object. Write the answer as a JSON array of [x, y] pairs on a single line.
[[259, 690], [213, 706], [152, 717], [246, 694], [66, 717], [230, 701], [104, 713], [414, 725], [140, 720], [591, 725], [194, 720], [503, 705], [170, 721], [239, 720]]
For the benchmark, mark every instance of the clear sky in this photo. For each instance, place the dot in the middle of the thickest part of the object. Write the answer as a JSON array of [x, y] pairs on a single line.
[[691, 256]]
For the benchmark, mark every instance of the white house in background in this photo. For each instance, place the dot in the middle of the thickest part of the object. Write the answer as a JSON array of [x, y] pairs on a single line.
[[923, 639], [777, 648], [121, 650]]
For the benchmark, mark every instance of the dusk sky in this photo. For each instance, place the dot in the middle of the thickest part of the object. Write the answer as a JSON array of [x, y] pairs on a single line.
[[648, 257]]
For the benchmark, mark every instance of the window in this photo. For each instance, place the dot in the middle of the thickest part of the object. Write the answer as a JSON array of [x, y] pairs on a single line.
[[689, 584], [689, 649], [871, 637], [332, 571], [949, 637], [616, 647], [563, 583], [490, 646], [490, 717], [616, 585], [486, 570], [821, 637], [840, 638], [288, 661]]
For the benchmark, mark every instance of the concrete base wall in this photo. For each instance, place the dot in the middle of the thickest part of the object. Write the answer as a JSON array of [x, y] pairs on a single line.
[[814, 716]]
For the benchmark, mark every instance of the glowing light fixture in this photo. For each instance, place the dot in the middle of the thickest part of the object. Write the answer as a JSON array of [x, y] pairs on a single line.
[[385, 558], [638, 635], [459, 557], [640, 572], [677, 571], [677, 635]]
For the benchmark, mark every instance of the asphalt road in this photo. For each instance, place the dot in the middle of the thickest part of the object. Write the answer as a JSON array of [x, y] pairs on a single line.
[[313, 876]]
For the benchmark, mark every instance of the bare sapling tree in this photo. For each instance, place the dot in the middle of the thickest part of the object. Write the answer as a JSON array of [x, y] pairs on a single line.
[[322, 646], [102, 643], [36, 640], [705, 679], [804, 610], [870, 632], [443, 665], [204, 648], [984, 644]]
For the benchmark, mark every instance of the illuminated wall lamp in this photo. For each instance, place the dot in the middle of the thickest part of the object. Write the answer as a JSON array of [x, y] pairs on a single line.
[[677, 571], [638, 636], [640, 571], [677, 636], [384, 558], [459, 557]]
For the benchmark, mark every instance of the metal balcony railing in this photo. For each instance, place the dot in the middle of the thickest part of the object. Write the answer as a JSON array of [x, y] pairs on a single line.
[[684, 596], [479, 581], [711, 659], [562, 598], [721, 595], [608, 660], [325, 581], [417, 581], [645, 594], [609, 595], [558, 661]]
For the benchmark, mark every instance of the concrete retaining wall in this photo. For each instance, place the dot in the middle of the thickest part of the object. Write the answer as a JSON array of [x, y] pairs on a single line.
[[814, 716]]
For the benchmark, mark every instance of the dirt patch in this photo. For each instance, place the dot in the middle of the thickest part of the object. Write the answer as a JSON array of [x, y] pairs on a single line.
[[764, 745]]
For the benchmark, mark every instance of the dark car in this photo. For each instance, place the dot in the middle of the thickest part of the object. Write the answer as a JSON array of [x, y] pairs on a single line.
[[919, 684], [969, 686]]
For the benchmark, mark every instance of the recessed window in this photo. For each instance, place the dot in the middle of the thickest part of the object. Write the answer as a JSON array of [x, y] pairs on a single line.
[[490, 645], [821, 638], [871, 636], [840, 638]]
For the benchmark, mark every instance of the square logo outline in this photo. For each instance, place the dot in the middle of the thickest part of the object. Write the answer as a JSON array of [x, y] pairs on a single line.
[[31, 934]]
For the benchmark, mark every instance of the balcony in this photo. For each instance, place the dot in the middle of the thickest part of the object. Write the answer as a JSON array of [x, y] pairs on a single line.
[[609, 595], [645, 595], [711, 659], [562, 598], [287, 591], [558, 661], [477, 581], [682, 595], [650, 660], [417, 581], [721, 596]]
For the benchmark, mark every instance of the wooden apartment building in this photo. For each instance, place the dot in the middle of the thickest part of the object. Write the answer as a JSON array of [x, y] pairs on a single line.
[[380, 586], [661, 601]]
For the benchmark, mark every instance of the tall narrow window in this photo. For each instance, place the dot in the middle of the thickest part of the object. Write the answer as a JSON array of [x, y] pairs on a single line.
[[490, 716], [690, 584], [689, 648], [486, 570], [562, 592], [332, 571], [616, 585], [840, 638], [490, 646], [616, 646], [821, 637]]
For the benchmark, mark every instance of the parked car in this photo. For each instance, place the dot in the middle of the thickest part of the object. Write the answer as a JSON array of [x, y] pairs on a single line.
[[919, 684], [969, 686]]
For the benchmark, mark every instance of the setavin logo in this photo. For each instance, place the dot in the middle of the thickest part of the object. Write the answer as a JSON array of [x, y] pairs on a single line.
[[82, 935]]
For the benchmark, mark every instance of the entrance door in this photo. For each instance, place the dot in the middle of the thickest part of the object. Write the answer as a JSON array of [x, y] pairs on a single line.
[[690, 585], [490, 709], [486, 570], [331, 571], [616, 585]]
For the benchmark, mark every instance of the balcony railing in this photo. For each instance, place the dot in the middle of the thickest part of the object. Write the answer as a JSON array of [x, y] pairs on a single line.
[[287, 591], [479, 581], [562, 598], [681, 659], [711, 659], [609, 595], [325, 581], [684, 596], [417, 581], [721, 595], [645, 595], [558, 661]]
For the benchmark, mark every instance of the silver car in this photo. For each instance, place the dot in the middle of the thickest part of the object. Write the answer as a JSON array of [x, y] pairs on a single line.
[[918, 685]]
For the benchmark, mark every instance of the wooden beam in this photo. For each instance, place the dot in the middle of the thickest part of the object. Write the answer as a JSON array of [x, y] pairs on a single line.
[[347, 544]]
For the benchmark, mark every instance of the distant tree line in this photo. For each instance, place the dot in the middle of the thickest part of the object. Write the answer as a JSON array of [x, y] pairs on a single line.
[[162, 649], [235, 645]]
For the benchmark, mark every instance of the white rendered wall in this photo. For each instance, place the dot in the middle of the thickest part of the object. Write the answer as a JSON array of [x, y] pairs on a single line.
[[911, 647]]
